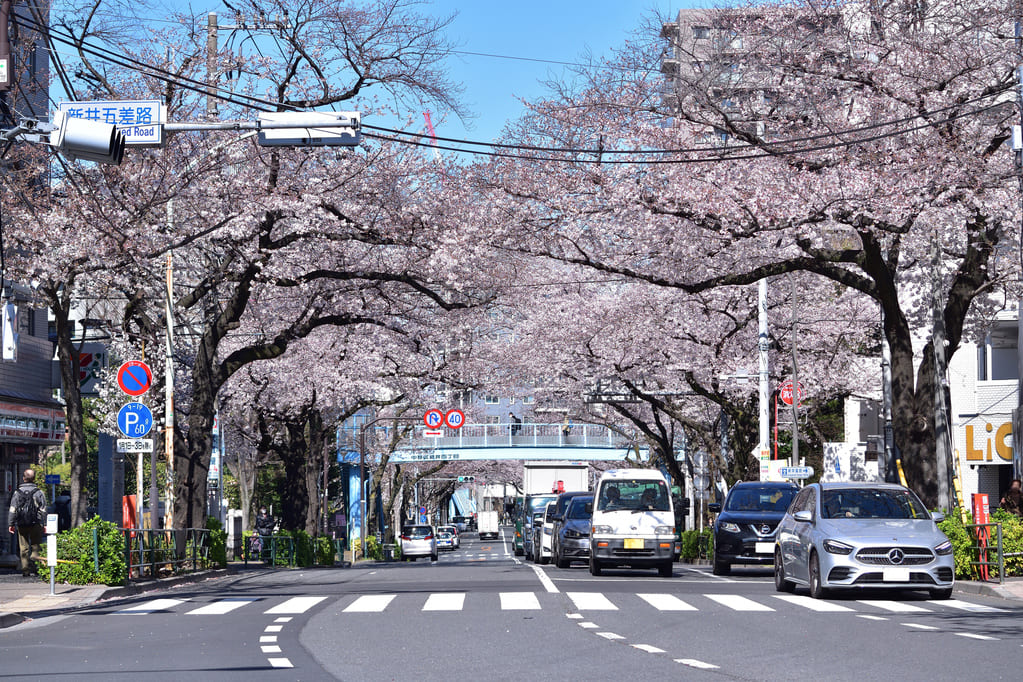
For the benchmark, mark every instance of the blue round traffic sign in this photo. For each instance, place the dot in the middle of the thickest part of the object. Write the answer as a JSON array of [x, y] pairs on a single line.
[[135, 420], [134, 377]]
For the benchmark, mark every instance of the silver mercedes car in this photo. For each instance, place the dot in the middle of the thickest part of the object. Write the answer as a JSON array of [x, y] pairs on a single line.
[[862, 535]]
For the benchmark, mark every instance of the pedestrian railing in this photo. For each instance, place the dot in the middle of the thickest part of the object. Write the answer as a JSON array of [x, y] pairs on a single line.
[[988, 550], [272, 550], [152, 552]]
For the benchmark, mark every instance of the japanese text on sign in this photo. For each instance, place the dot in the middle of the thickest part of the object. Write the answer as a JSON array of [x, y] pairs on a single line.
[[139, 121]]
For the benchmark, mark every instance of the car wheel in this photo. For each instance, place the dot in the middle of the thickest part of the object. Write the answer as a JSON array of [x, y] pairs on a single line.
[[781, 584], [721, 567], [941, 593], [666, 569], [545, 559], [412, 559], [433, 557], [817, 590], [594, 566], [561, 562]]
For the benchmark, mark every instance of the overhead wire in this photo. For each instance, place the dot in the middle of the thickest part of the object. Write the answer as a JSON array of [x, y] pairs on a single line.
[[715, 153]]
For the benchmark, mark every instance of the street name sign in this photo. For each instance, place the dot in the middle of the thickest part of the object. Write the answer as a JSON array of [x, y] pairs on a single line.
[[140, 121], [795, 472]]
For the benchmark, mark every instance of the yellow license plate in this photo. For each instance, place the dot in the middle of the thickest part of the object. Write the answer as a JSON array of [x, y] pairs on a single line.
[[633, 543]]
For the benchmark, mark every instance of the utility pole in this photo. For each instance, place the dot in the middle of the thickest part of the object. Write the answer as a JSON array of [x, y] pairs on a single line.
[[168, 398], [796, 392], [941, 421], [763, 346], [1017, 145]]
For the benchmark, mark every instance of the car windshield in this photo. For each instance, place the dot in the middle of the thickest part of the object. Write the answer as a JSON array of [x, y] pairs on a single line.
[[761, 498], [871, 503], [577, 509], [634, 494], [540, 503]]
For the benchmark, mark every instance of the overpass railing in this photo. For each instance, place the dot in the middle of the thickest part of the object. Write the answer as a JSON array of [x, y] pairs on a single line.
[[523, 434]]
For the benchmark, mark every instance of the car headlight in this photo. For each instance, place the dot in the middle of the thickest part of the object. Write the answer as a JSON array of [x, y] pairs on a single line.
[[601, 530], [664, 530], [569, 533], [836, 547], [729, 527], [944, 549]]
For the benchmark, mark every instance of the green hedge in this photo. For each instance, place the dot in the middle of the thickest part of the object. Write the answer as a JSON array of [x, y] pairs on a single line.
[[691, 541], [76, 547], [309, 550], [964, 543], [218, 543]]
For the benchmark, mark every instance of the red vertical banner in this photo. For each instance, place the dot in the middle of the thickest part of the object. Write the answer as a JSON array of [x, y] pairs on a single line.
[[980, 516], [128, 512]]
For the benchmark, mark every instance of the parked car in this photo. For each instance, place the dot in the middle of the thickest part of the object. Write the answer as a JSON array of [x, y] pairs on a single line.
[[862, 535], [445, 540], [561, 503], [529, 533], [531, 504], [542, 536], [417, 541], [572, 534], [745, 526], [454, 532]]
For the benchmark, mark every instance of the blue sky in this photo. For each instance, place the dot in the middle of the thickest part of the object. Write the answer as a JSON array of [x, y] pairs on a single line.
[[530, 34]]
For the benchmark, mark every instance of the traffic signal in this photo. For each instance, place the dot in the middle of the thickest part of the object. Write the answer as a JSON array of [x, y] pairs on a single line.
[[79, 138], [466, 479]]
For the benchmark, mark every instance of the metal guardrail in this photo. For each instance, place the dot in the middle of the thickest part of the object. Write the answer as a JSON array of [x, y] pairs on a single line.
[[268, 548], [158, 550], [982, 552], [522, 435]]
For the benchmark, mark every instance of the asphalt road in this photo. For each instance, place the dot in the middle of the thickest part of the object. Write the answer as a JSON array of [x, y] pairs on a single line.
[[480, 612]]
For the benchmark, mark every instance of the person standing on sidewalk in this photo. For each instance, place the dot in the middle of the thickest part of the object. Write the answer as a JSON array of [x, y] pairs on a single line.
[[26, 516]]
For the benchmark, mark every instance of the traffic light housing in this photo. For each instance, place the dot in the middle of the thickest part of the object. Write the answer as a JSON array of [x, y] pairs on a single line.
[[466, 479], [79, 138]]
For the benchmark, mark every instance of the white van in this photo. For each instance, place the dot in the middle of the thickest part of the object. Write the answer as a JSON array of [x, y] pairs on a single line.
[[633, 522]]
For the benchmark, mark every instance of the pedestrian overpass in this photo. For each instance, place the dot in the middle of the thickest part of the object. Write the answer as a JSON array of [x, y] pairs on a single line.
[[504, 441]]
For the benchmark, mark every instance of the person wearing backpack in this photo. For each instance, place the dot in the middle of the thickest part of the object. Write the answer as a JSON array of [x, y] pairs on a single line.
[[26, 516]]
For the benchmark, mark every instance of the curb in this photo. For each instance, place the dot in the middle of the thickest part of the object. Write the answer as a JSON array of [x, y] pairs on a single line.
[[971, 587]]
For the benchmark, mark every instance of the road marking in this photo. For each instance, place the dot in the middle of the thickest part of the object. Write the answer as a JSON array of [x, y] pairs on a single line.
[[268, 639], [152, 605], [967, 606], [545, 579], [591, 601], [972, 635], [220, 607], [576, 616], [648, 648], [609, 635], [920, 626], [588, 625], [283, 619], [296, 605], [814, 604], [273, 628], [867, 617], [693, 663], [280, 663], [894, 606], [445, 601], [666, 602], [271, 649], [738, 603], [370, 603], [519, 601]]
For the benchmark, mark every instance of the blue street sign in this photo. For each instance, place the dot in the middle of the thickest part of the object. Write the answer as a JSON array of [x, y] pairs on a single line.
[[134, 420], [795, 472], [52, 479]]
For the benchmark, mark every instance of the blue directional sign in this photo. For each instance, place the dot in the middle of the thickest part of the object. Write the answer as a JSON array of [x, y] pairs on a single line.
[[795, 472], [135, 420]]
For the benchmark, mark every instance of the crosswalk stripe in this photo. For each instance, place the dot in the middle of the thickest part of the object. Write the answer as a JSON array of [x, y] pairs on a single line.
[[370, 603], [219, 608], [967, 606], [445, 601], [738, 603], [666, 602], [151, 606], [813, 604], [296, 605], [591, 601], [894, 606], [519, 601]]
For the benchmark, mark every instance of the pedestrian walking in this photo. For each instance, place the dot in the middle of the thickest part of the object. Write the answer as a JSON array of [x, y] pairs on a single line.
[[26, 517], [516, 423]]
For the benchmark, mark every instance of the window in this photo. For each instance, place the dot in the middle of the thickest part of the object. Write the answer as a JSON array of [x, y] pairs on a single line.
[[491, 399], [527, 400], [701, 32]]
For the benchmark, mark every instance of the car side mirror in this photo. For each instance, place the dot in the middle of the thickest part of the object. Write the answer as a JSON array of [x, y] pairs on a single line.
[[803, 515], [714, 507], [589, 508], [937, 517]]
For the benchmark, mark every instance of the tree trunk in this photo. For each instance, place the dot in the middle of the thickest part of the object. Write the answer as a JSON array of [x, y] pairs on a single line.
[[295, 496], [315, 460]]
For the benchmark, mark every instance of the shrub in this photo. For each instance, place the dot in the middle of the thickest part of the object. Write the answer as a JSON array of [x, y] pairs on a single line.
[[75, 546], [697, 544], [217, 544], [962, 544], [1012, 540], [325, 551]]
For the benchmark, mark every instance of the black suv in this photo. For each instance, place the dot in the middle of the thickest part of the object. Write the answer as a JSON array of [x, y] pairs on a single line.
[[745, 527]]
